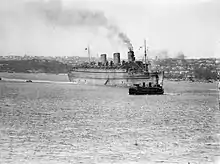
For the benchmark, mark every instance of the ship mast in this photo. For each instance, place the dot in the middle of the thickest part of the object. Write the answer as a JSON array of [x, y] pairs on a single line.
[[218, 88], [145, 54], [88, 53], [218, 81]]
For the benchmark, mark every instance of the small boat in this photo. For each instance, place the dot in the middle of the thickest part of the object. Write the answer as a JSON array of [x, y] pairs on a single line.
[[29, 81], [146, 90]]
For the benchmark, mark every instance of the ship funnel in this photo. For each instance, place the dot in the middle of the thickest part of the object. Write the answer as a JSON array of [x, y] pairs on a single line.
[[116, 58], [103, 59], [131, 57]]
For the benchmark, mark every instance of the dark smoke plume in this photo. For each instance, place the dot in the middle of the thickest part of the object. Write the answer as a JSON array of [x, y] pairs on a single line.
[[115, 30], [126, 40], [54, 13]]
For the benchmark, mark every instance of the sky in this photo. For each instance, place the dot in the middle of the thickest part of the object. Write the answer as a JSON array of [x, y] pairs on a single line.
[[67, 27]]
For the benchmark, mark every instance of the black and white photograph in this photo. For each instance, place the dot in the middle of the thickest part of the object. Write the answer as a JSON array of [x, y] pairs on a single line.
[[109, 82]]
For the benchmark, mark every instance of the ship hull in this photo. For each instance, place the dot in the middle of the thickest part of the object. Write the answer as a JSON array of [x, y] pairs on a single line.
[[107, 77]]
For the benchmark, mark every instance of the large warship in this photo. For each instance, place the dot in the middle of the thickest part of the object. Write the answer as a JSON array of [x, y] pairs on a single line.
[[115, 73]]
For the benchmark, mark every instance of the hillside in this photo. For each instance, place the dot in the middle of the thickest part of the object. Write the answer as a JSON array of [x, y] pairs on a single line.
[[34, 65]]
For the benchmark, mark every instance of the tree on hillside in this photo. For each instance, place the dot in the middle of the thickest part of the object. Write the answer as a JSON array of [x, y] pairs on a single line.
[[35, 65], [204, 73]]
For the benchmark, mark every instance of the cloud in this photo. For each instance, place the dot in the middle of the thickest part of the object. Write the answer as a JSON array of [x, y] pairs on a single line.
[[51, 27], [54, 13]]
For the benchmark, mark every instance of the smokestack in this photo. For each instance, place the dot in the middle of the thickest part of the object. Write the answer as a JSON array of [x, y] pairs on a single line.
[[103, 59], [116, 58], [131, 57]]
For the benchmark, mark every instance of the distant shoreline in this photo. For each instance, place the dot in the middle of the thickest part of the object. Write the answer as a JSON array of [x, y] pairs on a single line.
[[35, 76], [34, 73], [62, 77]]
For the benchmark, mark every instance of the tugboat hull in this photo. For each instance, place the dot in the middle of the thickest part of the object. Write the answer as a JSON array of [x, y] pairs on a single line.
[[146, 91]]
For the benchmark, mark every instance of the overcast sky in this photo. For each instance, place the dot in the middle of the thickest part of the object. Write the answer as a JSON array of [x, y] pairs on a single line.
[[66, 27]]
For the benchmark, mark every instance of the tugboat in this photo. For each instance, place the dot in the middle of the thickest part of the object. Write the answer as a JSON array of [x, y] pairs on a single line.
[[146, 90]]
